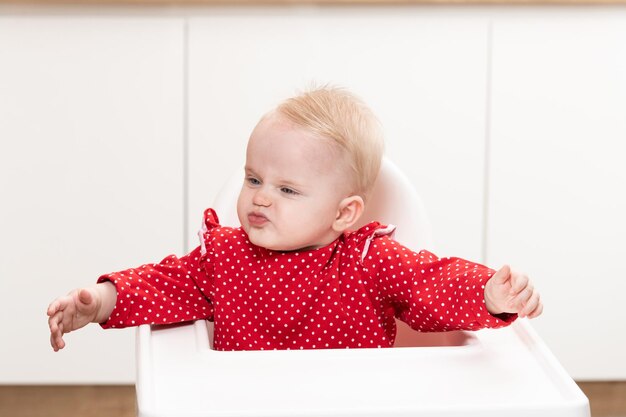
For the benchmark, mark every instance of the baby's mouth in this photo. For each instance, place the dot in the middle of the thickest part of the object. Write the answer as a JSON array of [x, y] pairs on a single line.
[[257, 219]]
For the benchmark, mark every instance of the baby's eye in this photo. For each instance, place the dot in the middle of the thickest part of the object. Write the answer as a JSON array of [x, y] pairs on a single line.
[[289, 191], [253, 181]]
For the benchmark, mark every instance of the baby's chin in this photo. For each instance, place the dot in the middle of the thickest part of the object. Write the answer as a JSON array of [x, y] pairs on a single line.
[[262, 243], [272, 244], [258, 238]]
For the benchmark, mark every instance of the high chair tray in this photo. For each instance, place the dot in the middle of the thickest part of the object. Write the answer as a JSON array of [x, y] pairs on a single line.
[[505, 372]]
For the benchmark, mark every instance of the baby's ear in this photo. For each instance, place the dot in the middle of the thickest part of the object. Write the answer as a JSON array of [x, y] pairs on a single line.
[[348, 213]]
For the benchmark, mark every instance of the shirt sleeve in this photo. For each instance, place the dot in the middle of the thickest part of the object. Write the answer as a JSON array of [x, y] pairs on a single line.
[[428, 293], [167, 292]]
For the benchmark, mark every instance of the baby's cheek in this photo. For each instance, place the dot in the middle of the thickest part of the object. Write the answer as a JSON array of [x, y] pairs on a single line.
[[241, 216]]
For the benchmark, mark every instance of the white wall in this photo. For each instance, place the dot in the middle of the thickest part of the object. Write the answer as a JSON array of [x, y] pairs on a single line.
[[558, 177], [117, 127], [91, 176]]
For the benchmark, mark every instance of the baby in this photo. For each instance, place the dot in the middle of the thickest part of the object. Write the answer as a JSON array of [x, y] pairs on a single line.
[[294, 275]]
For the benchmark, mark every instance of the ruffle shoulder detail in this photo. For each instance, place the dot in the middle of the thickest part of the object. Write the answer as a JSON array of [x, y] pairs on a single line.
[[210, 221], [362, 238]]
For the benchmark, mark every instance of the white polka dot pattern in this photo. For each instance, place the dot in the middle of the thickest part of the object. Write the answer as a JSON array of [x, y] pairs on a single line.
[[332, 297]]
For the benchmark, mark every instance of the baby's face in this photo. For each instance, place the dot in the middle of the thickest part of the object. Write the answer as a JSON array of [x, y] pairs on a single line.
[[293, 185]]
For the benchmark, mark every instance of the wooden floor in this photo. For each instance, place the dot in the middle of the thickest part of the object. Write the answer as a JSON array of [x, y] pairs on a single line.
[[67, 401], [608, 399]]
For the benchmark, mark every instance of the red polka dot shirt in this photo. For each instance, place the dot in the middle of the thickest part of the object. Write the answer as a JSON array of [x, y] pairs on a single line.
[[344, 295]]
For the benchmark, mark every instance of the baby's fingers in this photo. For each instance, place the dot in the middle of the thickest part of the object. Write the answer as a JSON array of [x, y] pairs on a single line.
[[519, 282], [521, 300], [53, 307], [537, 312], [534, 307], [56, 342], [56, 330], [531, 305], [59, 304], [53, 322]]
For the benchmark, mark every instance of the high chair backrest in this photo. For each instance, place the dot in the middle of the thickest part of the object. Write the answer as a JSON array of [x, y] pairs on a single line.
[[392, 201]]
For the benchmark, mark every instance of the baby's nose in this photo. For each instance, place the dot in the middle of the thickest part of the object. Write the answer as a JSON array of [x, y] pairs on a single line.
[[261, 199]]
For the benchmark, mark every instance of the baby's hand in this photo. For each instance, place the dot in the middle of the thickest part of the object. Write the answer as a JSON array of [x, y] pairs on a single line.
[[512, 292], [71, 312]]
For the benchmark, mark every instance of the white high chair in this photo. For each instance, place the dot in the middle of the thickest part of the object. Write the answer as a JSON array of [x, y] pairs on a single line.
[[504, 372]]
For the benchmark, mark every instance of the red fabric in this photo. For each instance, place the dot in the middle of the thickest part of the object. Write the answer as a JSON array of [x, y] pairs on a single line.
[[323, 298]]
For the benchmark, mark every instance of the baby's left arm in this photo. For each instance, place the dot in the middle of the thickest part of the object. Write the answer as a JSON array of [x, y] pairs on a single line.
[[509, 291]]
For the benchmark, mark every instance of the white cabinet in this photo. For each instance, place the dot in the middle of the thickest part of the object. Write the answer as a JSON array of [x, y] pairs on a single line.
[[558, 178], [91, 161], [422, 72]]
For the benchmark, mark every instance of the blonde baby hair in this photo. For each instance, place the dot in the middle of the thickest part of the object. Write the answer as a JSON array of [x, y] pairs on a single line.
[[336, 114]]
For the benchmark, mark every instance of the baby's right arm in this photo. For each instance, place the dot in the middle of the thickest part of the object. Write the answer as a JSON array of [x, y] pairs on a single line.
[[77, 309]]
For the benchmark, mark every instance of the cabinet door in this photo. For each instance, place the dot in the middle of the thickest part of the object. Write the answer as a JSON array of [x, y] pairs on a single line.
[[90, 174], [422, 71], [558, 178]]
